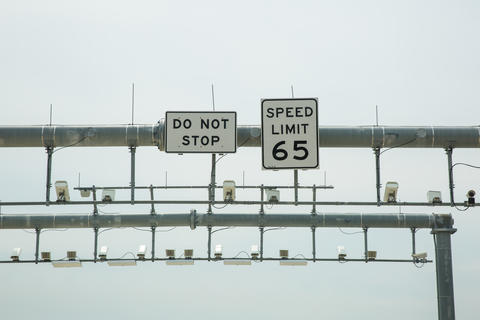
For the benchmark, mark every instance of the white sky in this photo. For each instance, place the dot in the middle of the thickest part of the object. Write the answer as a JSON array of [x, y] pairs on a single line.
[[417, 60]]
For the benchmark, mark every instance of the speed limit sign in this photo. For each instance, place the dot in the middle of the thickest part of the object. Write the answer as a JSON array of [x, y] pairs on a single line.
[[290, 133]]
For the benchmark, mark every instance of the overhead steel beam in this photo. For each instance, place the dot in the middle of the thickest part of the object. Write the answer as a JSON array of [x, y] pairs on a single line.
[[193, 220], [247, 136]]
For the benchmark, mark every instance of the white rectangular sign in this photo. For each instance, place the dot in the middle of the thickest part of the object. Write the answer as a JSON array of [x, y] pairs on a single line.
[[290, 133], [201, 132]]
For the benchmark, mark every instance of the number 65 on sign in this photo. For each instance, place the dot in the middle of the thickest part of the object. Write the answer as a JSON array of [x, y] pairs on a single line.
[[290, 133]]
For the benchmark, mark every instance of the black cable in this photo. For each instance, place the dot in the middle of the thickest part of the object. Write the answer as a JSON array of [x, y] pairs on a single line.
[[71, 145], [349, 233], [465, 164], [400, 145], [241, 145]]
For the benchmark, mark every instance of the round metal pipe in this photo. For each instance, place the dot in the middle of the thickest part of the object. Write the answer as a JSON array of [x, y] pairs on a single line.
[[328, 220], [247, 136]]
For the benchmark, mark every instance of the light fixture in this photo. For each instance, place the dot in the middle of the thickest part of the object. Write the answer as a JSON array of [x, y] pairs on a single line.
[[273, 195], [254, 252], [471, 197], [228, 190], [419, 256], [66, 264], [142, 249], [434, 197], [391, 189], [283, 254], [15, 256], [188, 253], [108, 195], [46, 256], [218, 251], [122, 263], [103, 253], [371, 255], [71, 255], [237, 262], [293, 262], [179, 262], [170, 253], [342, 254], [62, 191], [85, 193]]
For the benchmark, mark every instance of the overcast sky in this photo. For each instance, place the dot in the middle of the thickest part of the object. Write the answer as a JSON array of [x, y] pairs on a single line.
[[417, 60]]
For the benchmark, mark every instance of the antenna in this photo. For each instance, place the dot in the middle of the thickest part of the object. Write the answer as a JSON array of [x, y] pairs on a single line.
[[325, 178], [213, 97], [79, 179], [51, 114], [376, 114], [133, 100], [291, 87]]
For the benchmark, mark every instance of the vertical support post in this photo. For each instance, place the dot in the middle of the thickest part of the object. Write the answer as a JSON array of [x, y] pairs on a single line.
[[451, 185], [365, 239], [443, 263], [376, 150], [133, 149], [295, 185], [261, 243], [153, 243], [95, 245], [314, 250], [37, 244], [209, 243], [94, 195], [314, 208], [413, 243], [49, 173], [152, 210], [211, 189], [261, 200]]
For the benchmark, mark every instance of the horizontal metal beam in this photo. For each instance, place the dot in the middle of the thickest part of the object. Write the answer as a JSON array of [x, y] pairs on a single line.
[[243, 203], [193, 220], [247, 136]]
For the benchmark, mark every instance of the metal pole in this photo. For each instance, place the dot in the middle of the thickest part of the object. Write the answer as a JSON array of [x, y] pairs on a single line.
[[95, 245], [261, 199], [209, 243], [211, 191], [37, 244], [153, 244], [413, 243], [443, 262], [94, 195], [314, 208], [377, 167], [449, 152], [132, 174], [49, 172], [261, 243], [295, 184], [152, 211], [365, 239], [314, 251]]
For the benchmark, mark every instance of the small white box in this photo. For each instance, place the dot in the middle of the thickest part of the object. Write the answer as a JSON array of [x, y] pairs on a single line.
[[228, 190]]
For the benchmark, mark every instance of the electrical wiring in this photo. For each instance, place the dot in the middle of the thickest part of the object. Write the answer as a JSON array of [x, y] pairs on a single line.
[[400, 145], [221, 229], [71, 145], [149, 230], [349, 233], [273, 229], [219, 208], [465, 164], [241, 253], [225, 154]]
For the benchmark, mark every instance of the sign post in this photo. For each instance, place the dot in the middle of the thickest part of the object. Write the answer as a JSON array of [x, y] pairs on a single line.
[[290, 133], [201, 132]]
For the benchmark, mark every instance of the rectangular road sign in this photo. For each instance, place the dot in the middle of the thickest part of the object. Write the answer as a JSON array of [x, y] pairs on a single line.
[[201, 132], [290, 133]]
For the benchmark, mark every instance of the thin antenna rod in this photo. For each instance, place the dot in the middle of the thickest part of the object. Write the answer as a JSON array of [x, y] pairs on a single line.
[[376, 114], [213, 97], [293, 95], [51, 114], [79, 179], [133, 100]]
